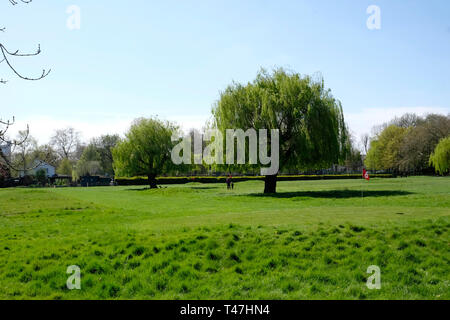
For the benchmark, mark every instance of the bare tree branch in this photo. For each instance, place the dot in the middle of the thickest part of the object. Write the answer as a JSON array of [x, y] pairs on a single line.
[[13, 2], [5, 55]]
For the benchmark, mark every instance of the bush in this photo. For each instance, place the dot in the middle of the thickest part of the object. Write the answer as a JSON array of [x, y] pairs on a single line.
[[41, 177]]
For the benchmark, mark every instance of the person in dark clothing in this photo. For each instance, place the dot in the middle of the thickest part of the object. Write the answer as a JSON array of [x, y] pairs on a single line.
[[230, 184]]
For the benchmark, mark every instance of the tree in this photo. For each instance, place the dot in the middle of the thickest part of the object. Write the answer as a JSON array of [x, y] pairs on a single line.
[[104, 145], [47, 154], [406, 143], [41, 177], [310, 120], [6, 54], [65, 168], [384, 149], [89, 163], [23, 153], [65, 141], [440, 158], [353, 161], [406, 121], [421, 140], [146, 150]]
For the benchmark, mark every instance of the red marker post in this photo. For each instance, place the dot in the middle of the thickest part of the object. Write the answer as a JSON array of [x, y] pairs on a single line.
[[366, 176]]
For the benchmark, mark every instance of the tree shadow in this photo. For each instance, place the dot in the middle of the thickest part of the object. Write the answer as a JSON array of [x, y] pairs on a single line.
[[165, 187], [333, 194], [138, 189]]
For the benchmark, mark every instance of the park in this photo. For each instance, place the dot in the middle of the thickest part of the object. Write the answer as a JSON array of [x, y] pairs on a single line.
[[241, 151], [312, 240]]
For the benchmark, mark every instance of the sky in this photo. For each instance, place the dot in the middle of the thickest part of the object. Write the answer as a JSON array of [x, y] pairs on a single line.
[[171, 59]]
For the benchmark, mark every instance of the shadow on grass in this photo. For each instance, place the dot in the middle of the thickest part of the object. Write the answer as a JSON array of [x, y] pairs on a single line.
[[165, 187], [139, 189], [333, 194], [202, 188], [145, 189]]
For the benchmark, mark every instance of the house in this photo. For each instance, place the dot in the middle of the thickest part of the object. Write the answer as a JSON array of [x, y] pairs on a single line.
[[49, 170]]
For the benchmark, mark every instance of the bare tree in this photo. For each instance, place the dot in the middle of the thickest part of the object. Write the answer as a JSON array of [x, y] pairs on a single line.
[[65, 142], [5, 56], [10, 144], [23, 154]]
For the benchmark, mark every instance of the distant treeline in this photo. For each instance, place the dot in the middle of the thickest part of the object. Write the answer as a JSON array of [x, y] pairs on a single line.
[[406, 145]]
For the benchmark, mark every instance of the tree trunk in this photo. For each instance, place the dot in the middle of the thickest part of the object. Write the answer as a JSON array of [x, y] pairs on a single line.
[[270, 185], [152, 181]]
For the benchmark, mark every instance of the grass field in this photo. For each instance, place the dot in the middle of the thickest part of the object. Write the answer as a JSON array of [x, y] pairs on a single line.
[[313, 240]]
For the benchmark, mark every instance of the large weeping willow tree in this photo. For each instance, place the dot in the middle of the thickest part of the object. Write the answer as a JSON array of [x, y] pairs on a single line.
[[312, 131]]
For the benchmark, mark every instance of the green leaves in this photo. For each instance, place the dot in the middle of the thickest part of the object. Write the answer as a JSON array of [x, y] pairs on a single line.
[[146, 149], [310, 119], [440, 158]]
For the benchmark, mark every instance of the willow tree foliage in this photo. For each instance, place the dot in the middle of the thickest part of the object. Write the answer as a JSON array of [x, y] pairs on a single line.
[[146, 150], [384, 149], [312, 131], [440, 158]]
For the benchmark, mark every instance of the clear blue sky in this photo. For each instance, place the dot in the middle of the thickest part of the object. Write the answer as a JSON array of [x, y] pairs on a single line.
[[171, 58]]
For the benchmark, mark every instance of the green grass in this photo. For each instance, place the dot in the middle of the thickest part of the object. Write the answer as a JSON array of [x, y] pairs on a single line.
[[313, 240]]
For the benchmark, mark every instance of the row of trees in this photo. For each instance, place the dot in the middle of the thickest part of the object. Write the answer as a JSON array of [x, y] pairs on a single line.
[[405, 144], [66, 152], [310, 121]]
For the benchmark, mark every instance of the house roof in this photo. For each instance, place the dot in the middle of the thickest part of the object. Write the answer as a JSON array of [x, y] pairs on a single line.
[[42, 163]]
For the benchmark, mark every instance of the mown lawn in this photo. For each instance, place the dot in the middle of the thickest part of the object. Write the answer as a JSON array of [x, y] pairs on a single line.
[[313, 240]]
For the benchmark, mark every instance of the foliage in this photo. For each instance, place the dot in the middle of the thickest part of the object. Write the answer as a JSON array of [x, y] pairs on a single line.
[[406, 143], [311, 123], [146, 149], [421, 141], [384, 149], [5, 174], [104, 145], [24, 153], [65, 168], [89, 163], [41, 177], [440, 159]]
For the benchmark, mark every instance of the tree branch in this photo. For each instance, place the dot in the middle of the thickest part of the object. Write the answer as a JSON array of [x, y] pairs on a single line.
[[5, 54]]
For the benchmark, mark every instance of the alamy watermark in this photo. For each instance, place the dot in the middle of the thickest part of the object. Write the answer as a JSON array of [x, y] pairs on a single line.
[[374, 281], [74, 20], [213, 153], [74, 281], [374, 20]]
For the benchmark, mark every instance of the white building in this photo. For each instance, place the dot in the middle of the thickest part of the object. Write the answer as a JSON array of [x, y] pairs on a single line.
[[41, 165]]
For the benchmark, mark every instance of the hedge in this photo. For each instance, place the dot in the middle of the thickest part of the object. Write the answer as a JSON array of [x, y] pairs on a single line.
[[222, 179]]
